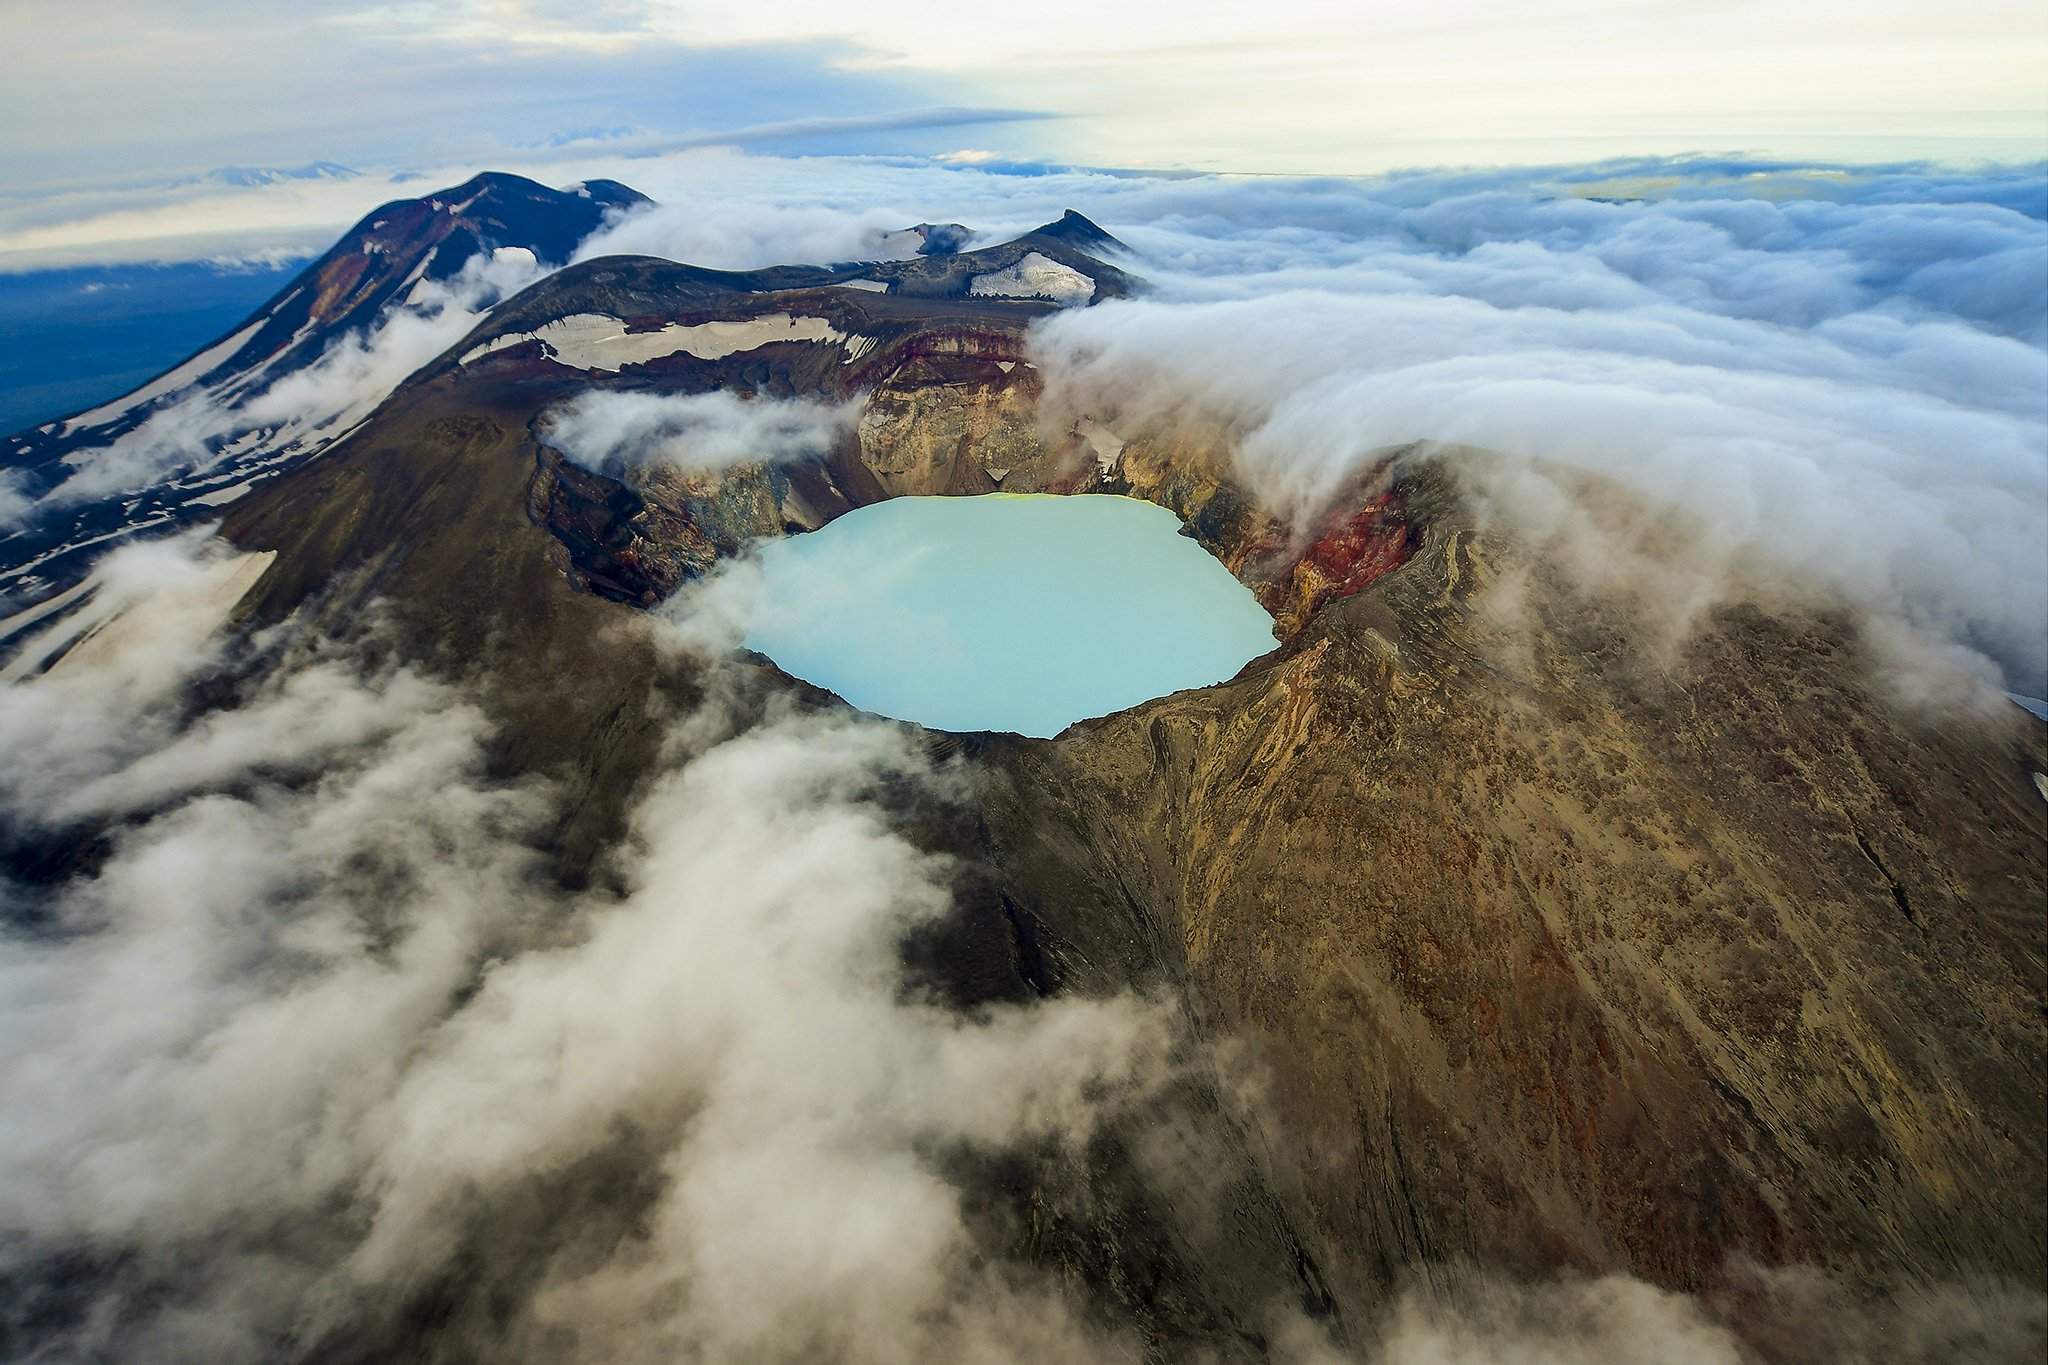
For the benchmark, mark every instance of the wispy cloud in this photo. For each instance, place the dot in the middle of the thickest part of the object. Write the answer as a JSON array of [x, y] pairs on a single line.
[[788, 130], [1839, 394], [622, 432], [1312, 87]]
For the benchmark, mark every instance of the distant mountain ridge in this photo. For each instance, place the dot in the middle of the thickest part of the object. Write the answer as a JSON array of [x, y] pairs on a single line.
[[373, 272], [251, 176], [372, 269]]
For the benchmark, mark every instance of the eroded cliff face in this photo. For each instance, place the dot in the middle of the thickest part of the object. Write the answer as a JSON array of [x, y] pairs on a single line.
[[1550, 953]]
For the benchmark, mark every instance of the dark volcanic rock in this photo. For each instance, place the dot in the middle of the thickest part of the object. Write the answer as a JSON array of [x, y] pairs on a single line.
[[1077, 231]]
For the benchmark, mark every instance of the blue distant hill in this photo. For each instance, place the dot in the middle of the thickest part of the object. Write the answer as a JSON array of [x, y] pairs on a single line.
[[270, 175], [75, 337]]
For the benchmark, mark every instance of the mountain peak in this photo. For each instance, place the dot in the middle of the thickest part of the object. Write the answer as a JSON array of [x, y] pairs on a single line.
[[941, 239], [1076, 229], [376, 268]]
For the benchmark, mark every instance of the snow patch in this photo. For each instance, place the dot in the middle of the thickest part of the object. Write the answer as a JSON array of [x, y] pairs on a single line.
[[1035, 276], [410, 285], [869, 286], [1104, 444], [105, 626], [593, 341], [221, 497], [22, 620]]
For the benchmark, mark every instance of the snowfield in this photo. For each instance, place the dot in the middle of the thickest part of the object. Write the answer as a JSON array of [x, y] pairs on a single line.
[[1035, 277], [593, 341]]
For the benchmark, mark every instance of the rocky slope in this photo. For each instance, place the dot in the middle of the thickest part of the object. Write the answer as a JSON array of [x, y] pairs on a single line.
[[1561, 958], [1553, 954]]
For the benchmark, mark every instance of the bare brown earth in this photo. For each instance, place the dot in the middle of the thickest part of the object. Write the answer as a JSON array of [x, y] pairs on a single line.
[[1550, 954]]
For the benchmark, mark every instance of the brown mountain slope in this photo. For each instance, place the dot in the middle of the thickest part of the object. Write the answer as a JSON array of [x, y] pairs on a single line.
[[1554, 956], [1566, 962]]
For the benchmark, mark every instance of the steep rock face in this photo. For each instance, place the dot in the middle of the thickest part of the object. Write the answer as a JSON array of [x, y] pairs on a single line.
[[950, 405], [959, 419]]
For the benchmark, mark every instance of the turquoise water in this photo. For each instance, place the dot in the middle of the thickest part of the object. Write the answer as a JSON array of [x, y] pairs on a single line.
[[1006, 612]]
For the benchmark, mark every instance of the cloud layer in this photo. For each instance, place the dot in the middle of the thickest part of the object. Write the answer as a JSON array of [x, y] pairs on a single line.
[[1314, 87], [316, 1018], [1850, 396], [310, 1051]]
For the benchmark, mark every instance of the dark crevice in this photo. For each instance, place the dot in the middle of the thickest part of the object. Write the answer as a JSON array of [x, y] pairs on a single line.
[[1898, 892], [1030, 959]]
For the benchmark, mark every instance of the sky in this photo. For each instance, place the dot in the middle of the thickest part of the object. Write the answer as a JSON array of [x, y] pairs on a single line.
[[140, 90], [111, 141]]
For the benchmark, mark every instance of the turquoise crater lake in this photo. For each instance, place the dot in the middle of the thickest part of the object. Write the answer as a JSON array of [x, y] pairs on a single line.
[[1005, 612]]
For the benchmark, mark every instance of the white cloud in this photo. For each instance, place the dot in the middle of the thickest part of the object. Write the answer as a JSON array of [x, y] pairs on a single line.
[[1355, 87], [1813, 383], [734, 234], [613, 432], [318, 1014], [315, 1029]]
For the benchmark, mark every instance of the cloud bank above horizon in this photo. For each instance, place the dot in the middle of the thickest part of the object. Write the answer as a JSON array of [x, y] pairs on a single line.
[[1301, 86]]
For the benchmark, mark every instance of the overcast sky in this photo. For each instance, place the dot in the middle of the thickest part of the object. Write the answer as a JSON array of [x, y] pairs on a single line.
[[143, 88], [107, 131]]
